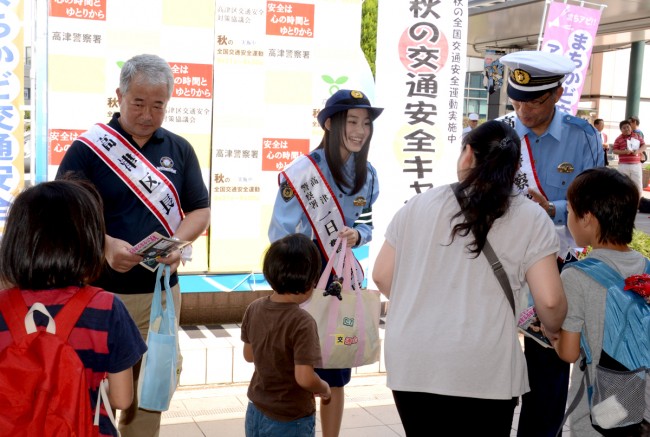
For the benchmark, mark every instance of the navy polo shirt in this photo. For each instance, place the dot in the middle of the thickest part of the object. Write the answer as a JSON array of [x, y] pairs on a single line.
[[127, 218]]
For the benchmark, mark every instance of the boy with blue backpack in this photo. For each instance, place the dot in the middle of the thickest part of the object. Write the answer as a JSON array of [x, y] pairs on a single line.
[[606, 331]]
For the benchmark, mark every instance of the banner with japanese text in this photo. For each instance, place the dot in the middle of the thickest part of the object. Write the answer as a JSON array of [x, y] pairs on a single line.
[[12, 64], [276, 63], [87, 44], [420, 79], [570, 31]]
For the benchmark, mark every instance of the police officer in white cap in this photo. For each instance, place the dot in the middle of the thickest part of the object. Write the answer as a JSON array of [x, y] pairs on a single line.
[[559, 147], [472, 122]]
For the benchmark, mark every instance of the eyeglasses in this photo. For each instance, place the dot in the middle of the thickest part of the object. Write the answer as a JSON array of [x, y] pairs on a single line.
[[534, 104]]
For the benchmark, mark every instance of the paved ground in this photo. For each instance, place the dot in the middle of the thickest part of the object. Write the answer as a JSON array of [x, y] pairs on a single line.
[[220, 410]]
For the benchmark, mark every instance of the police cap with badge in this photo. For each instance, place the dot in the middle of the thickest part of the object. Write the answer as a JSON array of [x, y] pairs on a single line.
[[342, 100], [535, 73]]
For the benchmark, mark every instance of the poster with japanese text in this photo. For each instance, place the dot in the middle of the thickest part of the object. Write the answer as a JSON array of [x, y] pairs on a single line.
[[87, 44], [11, 101], [276, 63], [420, 74]]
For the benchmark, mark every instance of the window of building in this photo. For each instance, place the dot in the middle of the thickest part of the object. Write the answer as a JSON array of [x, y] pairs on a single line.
[[476, 96]]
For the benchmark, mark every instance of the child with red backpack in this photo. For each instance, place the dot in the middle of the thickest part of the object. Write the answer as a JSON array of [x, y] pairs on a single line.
[[59, 337]]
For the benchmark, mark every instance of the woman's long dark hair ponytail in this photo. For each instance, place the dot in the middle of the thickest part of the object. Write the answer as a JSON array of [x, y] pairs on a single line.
[[486, 189]]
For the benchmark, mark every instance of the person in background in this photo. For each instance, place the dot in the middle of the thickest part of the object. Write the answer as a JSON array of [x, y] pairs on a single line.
[[558, 147], [53, 244], [629, 147], [282, 340], [169, 196], [599, 124], [452, 347], [338, 173], [472, 122], [602, 210], [635, 123]]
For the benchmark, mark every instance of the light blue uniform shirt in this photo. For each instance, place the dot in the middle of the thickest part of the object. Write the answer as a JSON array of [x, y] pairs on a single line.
[[568, 139], [288, 216]]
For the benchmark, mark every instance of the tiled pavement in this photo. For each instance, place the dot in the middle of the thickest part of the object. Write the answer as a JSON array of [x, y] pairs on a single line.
[[212, 398]]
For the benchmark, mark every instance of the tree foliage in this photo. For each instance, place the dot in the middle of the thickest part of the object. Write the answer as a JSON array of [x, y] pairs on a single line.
[[369, 32]]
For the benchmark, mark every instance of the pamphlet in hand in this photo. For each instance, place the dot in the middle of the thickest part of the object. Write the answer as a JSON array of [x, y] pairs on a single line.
[[156, 245], [530, 326]]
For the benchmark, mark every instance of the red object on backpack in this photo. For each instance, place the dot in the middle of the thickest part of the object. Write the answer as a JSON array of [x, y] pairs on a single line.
[[44, 391]]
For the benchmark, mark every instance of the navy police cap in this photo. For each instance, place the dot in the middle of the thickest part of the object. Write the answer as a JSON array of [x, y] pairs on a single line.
[[342, 100]]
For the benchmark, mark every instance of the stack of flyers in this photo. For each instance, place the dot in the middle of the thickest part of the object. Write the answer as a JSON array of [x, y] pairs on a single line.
[[156, 245], [530, 326]]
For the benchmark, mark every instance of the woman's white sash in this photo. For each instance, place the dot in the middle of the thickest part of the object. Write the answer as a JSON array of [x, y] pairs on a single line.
[[318, 202], [147, 183]]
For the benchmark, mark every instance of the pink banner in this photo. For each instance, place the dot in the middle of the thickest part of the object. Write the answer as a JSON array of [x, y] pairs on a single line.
[[570, 31]]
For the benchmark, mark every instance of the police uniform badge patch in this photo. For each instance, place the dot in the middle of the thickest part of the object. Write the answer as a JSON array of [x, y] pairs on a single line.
[[286, 191], [565, 167], [359, 201]]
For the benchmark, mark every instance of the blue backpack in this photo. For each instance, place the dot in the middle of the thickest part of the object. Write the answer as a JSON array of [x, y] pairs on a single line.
[[617, 392]]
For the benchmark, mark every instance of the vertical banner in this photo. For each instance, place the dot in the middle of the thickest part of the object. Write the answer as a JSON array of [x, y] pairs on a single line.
[[88, 42], [275, 65], [493, 70], [570, 31], [11, 104], [421, 49]]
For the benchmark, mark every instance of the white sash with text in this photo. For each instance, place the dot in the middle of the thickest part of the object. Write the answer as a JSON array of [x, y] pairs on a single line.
[[318, 202], [147, 183]]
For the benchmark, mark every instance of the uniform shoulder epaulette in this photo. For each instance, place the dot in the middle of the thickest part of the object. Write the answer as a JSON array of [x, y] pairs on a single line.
[[315, 156], [580, 122]]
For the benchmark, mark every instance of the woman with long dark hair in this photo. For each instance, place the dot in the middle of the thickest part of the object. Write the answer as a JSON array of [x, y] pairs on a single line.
[[328, 194], [451, 348]]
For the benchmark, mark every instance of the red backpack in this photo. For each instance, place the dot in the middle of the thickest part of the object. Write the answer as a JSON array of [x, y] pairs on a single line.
[[44, 389]]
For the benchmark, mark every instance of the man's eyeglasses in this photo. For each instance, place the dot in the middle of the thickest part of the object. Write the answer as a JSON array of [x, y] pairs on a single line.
[[534, 104]]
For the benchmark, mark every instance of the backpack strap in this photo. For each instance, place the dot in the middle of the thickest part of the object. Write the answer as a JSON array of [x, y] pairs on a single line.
[[68, 316], [585, 381], [14, 309]]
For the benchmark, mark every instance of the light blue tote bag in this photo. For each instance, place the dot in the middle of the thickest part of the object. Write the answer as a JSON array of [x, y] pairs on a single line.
[[157, 381]]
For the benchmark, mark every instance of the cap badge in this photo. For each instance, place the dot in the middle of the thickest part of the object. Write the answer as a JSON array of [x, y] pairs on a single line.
[[359, 201], [565, 167], [521, 76], [357, 94]]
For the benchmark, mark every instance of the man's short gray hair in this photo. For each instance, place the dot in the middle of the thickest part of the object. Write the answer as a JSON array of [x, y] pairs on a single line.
[[154, 69]]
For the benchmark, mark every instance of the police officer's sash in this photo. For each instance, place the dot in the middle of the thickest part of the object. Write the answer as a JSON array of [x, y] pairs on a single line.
[[526, 177], [147, 183], [318, 202]]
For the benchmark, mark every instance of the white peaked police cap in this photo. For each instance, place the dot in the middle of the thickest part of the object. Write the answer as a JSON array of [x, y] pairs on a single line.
[[533, 73]]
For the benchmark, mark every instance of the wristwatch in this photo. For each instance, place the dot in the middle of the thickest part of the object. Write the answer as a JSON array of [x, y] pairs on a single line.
[[550, 209]]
